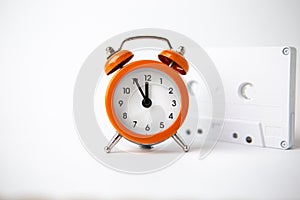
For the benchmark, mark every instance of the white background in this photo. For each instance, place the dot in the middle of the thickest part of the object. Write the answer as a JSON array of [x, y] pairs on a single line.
[[42, 47]]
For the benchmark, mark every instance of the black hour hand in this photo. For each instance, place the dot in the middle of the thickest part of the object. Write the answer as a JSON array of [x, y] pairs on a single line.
[[147, 90]]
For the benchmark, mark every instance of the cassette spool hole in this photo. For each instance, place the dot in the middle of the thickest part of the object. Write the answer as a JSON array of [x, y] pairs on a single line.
[[246, 91]]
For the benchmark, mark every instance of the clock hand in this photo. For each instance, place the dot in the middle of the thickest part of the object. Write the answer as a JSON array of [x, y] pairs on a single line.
[[147, 90], [135, 80], [146, 102]]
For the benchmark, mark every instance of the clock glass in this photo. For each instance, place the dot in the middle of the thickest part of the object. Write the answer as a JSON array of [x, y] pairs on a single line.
[[146, 101]]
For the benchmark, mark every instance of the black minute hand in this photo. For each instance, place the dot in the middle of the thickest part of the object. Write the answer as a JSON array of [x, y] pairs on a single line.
[[135, 80], [146, 102]]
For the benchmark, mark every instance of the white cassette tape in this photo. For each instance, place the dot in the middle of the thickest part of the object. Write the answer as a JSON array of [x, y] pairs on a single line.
[[259, 84]]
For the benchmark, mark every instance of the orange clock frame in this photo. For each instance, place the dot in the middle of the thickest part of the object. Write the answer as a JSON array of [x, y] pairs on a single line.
[[153, 138]]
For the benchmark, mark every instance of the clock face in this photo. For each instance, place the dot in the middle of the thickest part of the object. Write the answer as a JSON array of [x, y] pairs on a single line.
[[146, 101]]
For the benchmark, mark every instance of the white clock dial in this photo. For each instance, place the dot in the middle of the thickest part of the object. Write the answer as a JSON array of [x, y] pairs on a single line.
[[161, 98]]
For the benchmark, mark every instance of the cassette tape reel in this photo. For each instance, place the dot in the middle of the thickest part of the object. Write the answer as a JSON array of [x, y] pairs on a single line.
[[259, 84]]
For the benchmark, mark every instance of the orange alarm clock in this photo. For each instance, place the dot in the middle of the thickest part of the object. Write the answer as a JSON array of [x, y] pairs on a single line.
[[146, 100]]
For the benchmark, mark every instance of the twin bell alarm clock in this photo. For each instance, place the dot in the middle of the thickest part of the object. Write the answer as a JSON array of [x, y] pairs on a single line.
[[146, 100]]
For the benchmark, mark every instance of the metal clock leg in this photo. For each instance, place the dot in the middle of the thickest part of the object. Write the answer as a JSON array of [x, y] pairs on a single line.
[[115, 139], [180, 142]]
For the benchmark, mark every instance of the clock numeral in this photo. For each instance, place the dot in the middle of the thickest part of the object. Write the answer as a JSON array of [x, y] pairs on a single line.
[[147, 77], [160, 80], [147, 128], [173, 103], [171, 116], [162, 125], [121, 103], [171, 90], [126, 90], [124, 115], [134, 123]]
